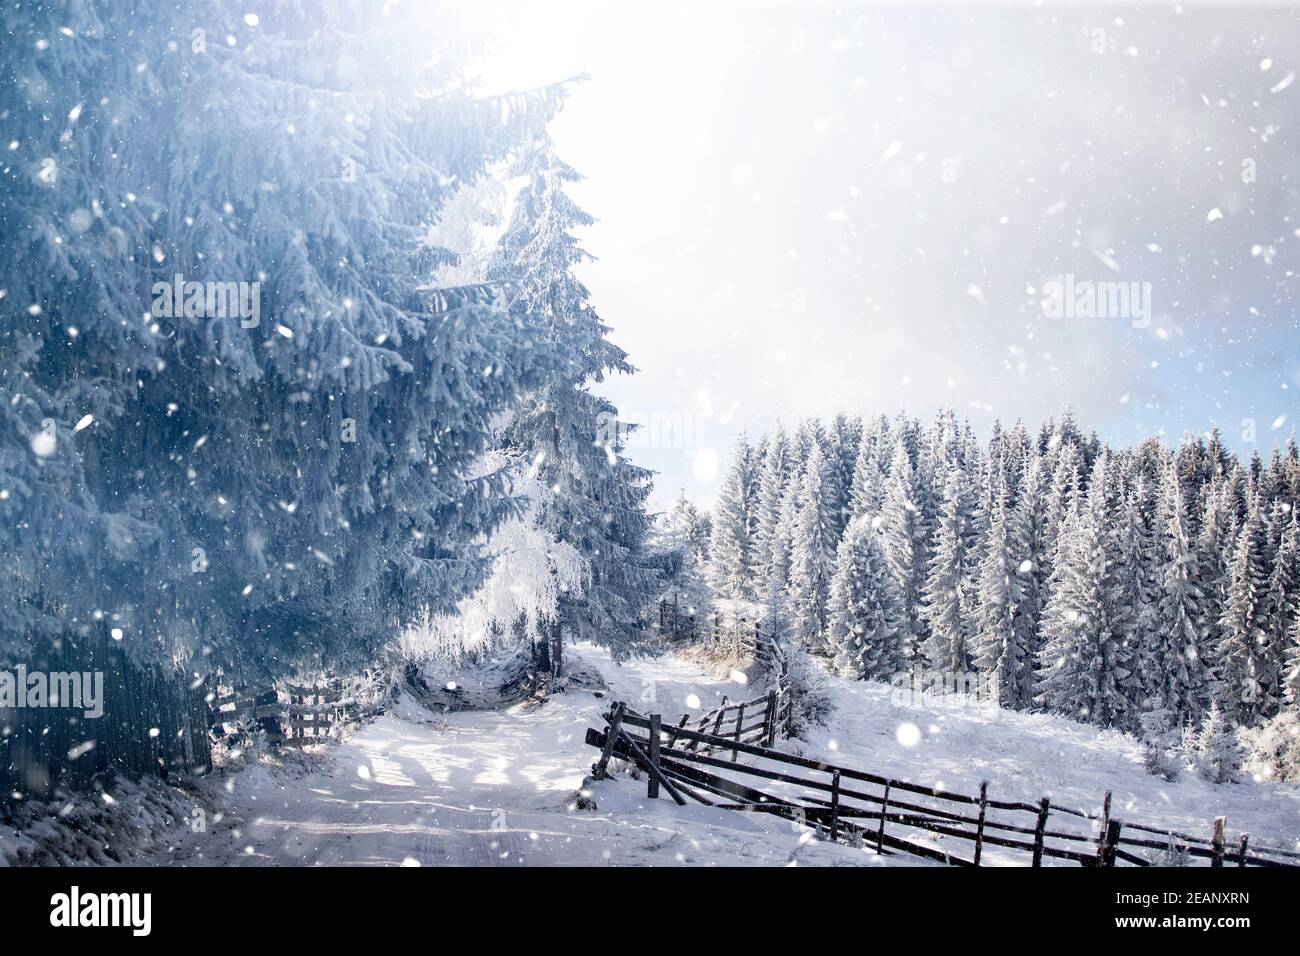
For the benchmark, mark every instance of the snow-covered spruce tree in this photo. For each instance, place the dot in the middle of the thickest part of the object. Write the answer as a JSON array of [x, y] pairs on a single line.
[[1017, 458], [1291, 665], [1004, 653], [812, 553], [867, 489], [572, 438], [808, 683], [693, 525], [945, 601], [1180, 676], [1031, 549], [1218, 752], [1148, 465], [866, 617], [1215, 539], [730, 547], [783, 537], [1161, 750], [900, 527], [773, 473], [275, 475], [776, 626], [1134, 601], [1063, 491], [1283, 592], [1250, 685], [1084, 662], [841, 449], [674, 552]]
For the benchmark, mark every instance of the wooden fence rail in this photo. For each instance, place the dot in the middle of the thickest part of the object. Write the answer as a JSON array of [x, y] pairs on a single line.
[[843, 804]]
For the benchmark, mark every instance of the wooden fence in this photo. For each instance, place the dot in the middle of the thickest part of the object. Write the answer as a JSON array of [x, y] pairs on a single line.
[[894, 816], [290, 714], [760, 720], [154, 720], [312, 711]]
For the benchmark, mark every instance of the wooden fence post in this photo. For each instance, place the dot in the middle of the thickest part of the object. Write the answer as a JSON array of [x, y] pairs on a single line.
[[1111, 843], [651, 767], [1040, 828], [722, 712], [880, 831], [979, 829], [1105, 822], [770, 736], [740, 722], [1241, 858], [1216, 842], [835, 806], [599, 768], [652, 785]]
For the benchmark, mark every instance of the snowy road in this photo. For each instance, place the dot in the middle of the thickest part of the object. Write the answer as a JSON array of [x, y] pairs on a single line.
[[498, 788], [489, 789]]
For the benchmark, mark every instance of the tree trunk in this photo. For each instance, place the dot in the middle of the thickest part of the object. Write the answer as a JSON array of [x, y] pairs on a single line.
[[557, 649]]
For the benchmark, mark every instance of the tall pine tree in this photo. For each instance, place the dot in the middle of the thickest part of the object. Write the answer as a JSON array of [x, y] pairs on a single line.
[[866, 618], [570, 438]]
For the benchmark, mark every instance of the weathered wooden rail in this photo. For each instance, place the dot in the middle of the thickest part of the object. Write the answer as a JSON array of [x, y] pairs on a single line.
[[849, 805]]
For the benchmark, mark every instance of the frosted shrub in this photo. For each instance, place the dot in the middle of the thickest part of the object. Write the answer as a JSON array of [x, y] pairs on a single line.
[[1213, 751], [1161, 750], [1273, 748], [1172, 854], [813, 704]]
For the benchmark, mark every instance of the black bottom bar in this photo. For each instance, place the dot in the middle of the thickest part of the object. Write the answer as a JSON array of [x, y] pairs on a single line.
[[304, 905]]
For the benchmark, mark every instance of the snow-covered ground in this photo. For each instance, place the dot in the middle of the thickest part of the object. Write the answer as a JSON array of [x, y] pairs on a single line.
[[955, 743], [500, 788]]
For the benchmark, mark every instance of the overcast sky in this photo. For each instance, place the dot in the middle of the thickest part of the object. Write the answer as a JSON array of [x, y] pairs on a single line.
[[807, 208]]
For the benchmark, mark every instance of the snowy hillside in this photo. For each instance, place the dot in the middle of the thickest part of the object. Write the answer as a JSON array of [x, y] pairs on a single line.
[[502, 787]]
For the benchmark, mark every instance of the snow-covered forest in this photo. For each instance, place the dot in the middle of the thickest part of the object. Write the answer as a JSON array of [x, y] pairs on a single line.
[[324, 514], [1150, 589]]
